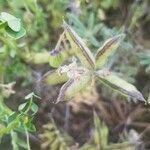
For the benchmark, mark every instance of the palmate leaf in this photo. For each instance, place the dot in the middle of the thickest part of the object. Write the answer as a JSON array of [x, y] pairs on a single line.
[[53, 77], [74, 86], [107, 50], [121, 86], [80, 49]]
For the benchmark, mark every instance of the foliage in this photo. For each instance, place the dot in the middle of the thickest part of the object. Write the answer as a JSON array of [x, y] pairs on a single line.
[[81, 75], [145, 60], [88, 32], [100, 139], [14, 122], [11, 121], [56, 9], [53, 139], [95, 21], [11, 25], [91, 30], [91, 27]]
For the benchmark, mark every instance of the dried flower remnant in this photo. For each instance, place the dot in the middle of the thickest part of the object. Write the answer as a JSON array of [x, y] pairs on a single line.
[[7, 89]]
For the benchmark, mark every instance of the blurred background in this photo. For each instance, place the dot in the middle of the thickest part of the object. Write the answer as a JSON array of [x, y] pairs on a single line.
[[127, 122]]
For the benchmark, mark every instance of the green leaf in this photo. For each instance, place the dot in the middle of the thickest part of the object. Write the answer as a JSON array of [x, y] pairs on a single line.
[[13, 22], [22, 143], [52, 77], [74, 86], [23, 106], [91, 21], [15, 25], [80, 49], [107, 50], [15, 35], [121, 86], [30, 126], [14, 139], [100, 133], [3, 25], [61, 52], [28, 105], [12, 117], [34, 108], [78, 25], [31, 96], [13, 125]]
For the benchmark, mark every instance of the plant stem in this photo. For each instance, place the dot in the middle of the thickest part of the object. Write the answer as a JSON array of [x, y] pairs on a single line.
[[27, 139], [14, 140]]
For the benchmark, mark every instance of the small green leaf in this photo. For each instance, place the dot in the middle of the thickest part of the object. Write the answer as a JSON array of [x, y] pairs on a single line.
[[107, 50], [80, 49], [30, 126], [34, 108], [23, 106], [11, 126], [15, 25], [121, 85], [15, 35], [22, 143], [12, 117], [13, 22], [52, 77], [14, 139], [31, 95]]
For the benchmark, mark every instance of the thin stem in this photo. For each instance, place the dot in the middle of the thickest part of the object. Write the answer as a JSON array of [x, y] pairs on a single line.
[[27, 139], [14, 140]]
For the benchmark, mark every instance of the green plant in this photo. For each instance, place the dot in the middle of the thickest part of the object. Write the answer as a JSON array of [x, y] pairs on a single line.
[[145, 60], [11, 25], [20, 121], [92, 30], [57, 10], [82, 72], [11, 29], [99, 139], [53, 138], [89, 32], [13, 122]]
